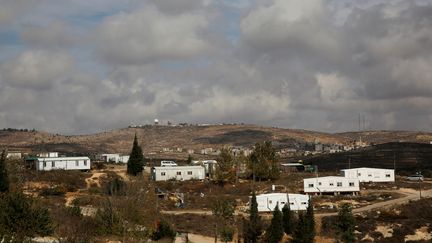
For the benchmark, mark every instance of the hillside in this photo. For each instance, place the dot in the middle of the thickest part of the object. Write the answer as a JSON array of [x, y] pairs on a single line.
[[405, 156], [154, 138], [377, 137]]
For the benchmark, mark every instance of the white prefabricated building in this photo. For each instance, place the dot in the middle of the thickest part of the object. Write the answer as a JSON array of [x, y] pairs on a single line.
[[180, 173], [267, 202], [63, 163], [365, 174], [331, 184], [115, 158]]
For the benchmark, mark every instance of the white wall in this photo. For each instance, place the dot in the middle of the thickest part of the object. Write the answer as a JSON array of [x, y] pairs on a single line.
[[370, 174], [178, 173], [330, 184], [267, 202], [63, 163]]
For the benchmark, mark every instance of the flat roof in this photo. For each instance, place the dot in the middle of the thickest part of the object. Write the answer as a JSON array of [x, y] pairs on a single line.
[[363, 168], [62, 158], [292, 164], [331, 177], [178, 167]]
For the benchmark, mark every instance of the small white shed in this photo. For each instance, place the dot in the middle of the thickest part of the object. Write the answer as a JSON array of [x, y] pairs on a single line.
[[267, 202], [365, 174], [180, 173], [63, 163], [331, 184]]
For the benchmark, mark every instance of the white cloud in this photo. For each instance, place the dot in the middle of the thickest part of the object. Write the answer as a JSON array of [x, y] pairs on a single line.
[[36, 69], [148, 35]]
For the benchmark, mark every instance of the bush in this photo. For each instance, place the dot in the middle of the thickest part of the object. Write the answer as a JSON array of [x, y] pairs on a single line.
[[21, 217], [53, 191], [163, 230], [227, 233], [116, 187]]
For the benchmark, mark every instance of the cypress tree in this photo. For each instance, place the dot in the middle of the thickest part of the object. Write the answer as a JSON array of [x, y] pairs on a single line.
[[136, 160], [346, 223], [275, 230], [4, 180], [300, 232], [254, 226], [310, 222], [288, 219]]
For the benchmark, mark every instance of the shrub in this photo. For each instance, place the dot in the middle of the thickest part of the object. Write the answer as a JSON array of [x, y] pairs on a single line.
[[53, 191], [163, 230]]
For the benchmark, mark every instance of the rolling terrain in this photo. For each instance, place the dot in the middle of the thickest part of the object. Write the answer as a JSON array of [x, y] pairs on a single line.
[[154, 138]]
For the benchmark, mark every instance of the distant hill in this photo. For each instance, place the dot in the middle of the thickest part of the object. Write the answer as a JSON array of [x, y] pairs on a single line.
[[154, 138], [405, 156]]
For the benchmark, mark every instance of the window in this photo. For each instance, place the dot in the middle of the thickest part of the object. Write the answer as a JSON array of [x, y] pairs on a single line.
[[319, 183], [44, 164], [303, 203], [178, 172], [359, 174], [270, 201], [338, 184], [351, 184], [162, 173], [85, 162], [331, 183], [291, 203], [53, 164], [369, 175], [310, 185], [76, 163], [282, 202], [189, 172], [388, 175]]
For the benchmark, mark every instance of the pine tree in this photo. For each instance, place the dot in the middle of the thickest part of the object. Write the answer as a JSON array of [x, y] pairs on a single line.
[[136, 159], [288, 219], [254, 225], [275, 230], [310, 222], [346, 223], [4, 180]]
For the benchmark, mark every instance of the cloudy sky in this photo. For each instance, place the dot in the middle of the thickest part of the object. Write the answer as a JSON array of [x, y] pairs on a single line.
[[83, 66]]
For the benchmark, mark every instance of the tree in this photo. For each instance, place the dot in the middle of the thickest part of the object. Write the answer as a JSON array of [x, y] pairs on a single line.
[[223, 208], [275, 230], [136, 160], [310, 221], [346, 224], [21, 218], [254, 226], [226, 169], [189, 159], [4, 179], [288, 219], [263, 162], [300, 232]]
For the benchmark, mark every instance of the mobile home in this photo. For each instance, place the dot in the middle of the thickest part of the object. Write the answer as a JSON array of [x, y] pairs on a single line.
[[365, 174], [115, 158], [267, 202], [331, 184], [180, 173], [62, 163]]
